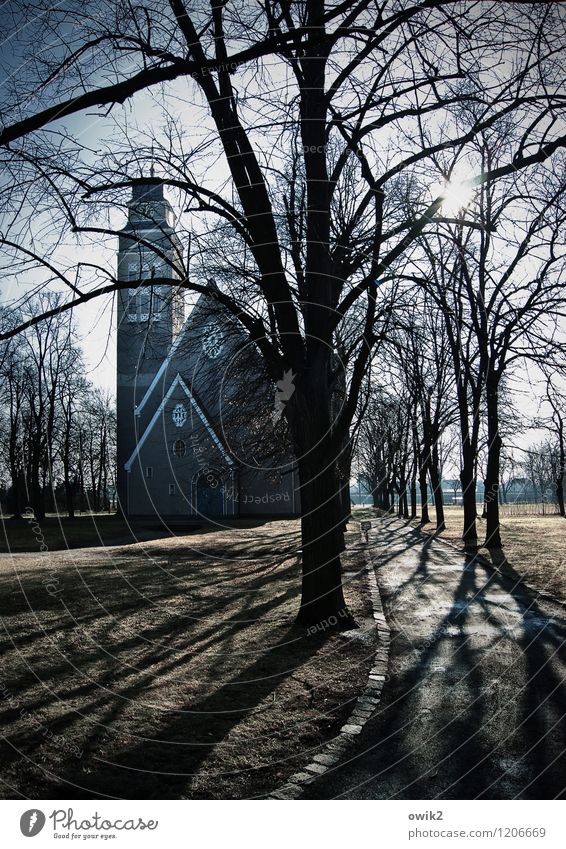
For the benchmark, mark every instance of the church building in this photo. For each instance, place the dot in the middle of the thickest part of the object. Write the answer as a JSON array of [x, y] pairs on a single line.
[[197, 417]]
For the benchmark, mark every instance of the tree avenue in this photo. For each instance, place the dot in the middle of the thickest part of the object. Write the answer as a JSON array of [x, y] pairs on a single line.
[[310, 148]]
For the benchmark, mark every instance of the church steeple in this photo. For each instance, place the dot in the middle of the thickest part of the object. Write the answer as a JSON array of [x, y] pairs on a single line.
[[149, 207], [149, 314], [149, 248]]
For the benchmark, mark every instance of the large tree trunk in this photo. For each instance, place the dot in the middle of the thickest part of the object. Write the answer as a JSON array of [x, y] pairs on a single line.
[[413, 497], [16, 471], [403, 506], [469, 486], [381, 494], [561, 469], [421, 459], [322, 598], [491, 499], [16, 498], [391, 497], [385, 495], [69, 502], [415, 467], [560, 494], [423, 486], [436, 483], [37, 500], [322, 519], [345, 472], [468, 473]]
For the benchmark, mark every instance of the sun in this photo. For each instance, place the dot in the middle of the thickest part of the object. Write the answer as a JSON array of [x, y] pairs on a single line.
[[456, 193]]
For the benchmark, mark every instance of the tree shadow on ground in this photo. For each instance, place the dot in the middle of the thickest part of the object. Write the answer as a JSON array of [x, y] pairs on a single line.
[[164, 767], [541, 639], [114, 665], [476, 702]]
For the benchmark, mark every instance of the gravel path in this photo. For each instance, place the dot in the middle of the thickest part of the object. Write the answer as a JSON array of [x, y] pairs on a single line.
[[476, 703]]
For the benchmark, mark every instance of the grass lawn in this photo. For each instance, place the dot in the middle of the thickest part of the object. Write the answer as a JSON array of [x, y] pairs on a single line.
[[170, 668], [94, 529], [534, 547]]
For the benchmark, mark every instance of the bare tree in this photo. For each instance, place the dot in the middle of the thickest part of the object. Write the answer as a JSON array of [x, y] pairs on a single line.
[[72, 396], [557, 403], [97, 450], [365, 95], [539, 466], [380, 443], [13, 403], [44, 397], [424, 372]]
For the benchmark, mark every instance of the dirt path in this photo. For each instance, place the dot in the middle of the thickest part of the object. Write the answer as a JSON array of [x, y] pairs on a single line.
[[476, 703]]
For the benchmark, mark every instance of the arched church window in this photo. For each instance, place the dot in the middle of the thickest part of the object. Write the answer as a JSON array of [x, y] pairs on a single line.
[[157, 298], [179, 415], [144, 303], [132, 305], [139, 307], [179, 448]]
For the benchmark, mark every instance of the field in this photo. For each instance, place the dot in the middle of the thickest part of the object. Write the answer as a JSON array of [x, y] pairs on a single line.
[[171, 668], [534, 548], [91, 529]]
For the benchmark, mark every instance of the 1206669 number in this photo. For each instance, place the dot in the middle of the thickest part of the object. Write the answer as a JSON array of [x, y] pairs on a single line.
[[523, 832]]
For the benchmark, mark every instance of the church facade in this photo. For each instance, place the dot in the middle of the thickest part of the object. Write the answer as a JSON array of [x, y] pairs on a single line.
[[196, 418]]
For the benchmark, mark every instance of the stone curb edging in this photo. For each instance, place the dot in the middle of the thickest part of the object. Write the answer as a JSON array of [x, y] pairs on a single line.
[[330, 755]]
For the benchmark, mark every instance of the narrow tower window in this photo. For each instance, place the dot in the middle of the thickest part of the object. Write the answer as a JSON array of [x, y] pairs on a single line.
[[179, 448]]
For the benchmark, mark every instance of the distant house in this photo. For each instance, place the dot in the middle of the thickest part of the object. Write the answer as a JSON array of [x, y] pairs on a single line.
[[523, 490], [452, 491], [360, 492], [518, 490]]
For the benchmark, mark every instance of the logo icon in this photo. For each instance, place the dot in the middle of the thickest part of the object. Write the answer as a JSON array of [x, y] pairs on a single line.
[[32, 822], [283, 393]]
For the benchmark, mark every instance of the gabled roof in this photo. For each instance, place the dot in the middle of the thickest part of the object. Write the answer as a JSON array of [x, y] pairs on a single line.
[[163, 367], [173, 350], [178, 381]]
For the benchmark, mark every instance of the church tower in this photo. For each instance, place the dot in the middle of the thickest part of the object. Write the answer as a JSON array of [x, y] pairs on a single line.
[[149, 315]]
